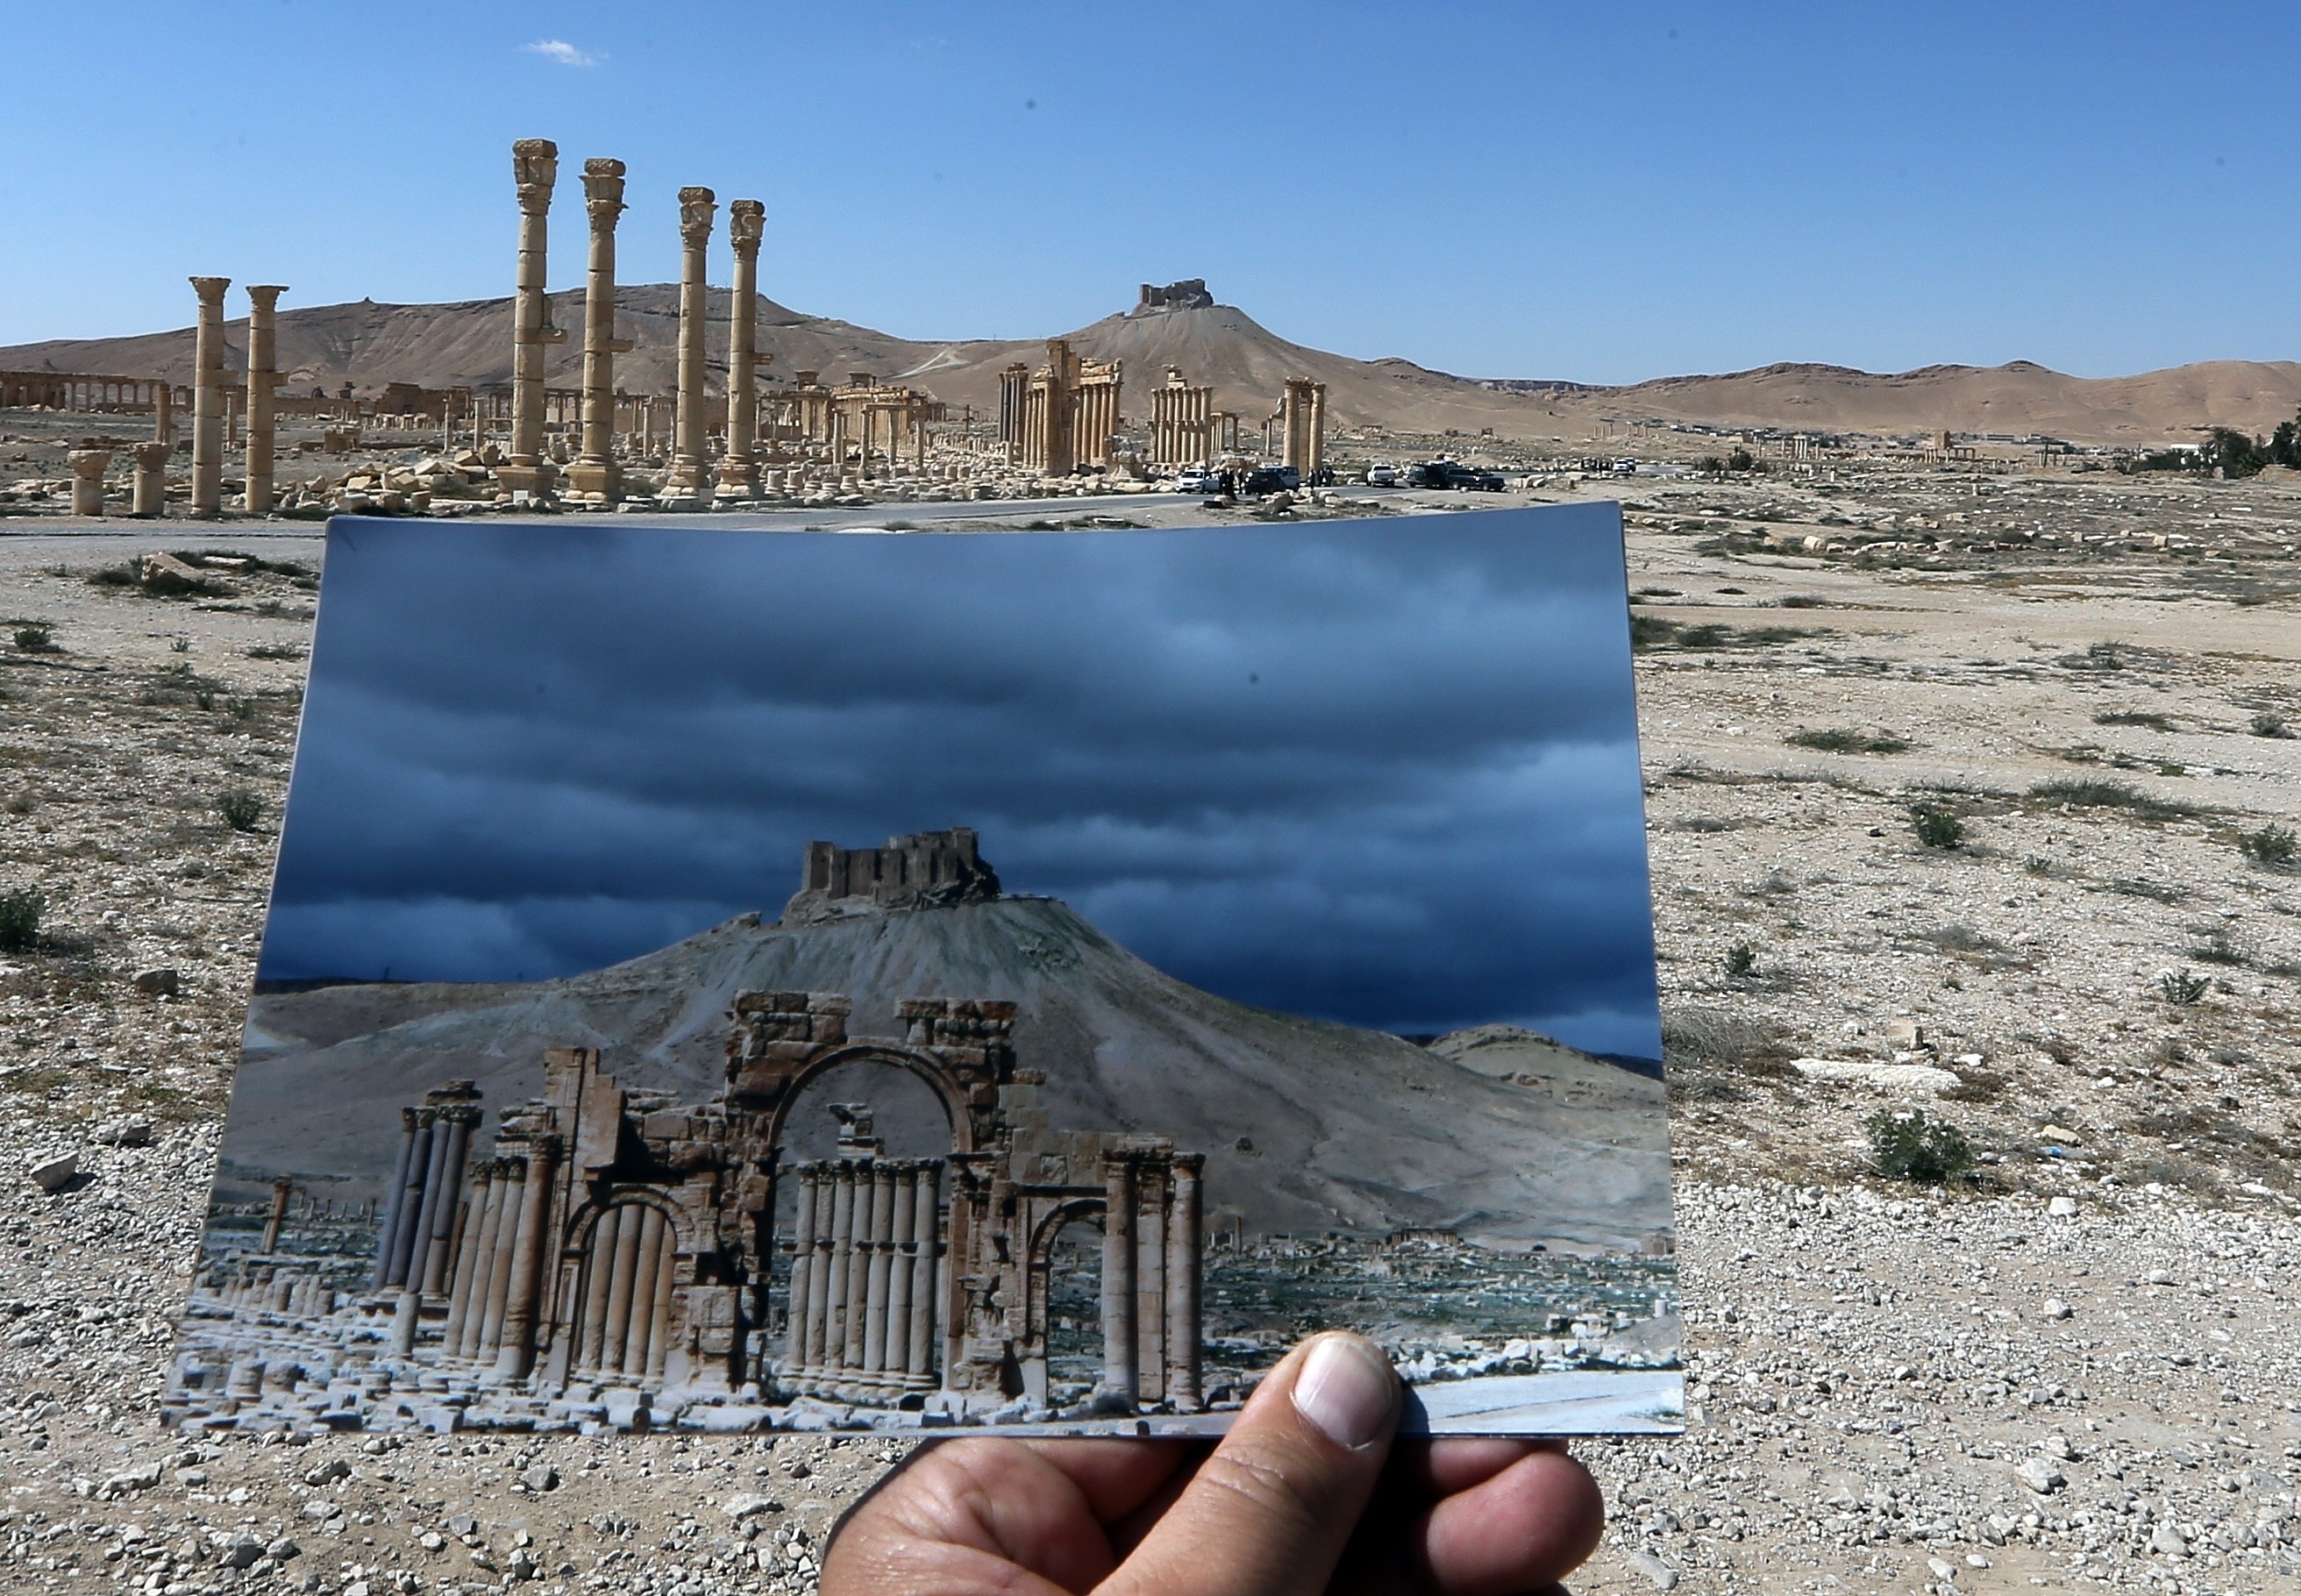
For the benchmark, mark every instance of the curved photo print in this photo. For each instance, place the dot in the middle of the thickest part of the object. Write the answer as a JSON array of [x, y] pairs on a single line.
[[734, 979]]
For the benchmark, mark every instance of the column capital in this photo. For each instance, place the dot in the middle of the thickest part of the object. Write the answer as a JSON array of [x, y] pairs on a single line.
[[695, 208], [746, 224], [603, 191], [264, 295], [534, 169], [211, 289]]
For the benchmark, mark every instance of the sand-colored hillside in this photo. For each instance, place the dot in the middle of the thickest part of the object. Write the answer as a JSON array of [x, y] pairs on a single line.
[[469, 342]]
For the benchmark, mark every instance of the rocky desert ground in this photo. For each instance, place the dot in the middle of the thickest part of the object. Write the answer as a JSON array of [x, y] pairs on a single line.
[[1972, 795]]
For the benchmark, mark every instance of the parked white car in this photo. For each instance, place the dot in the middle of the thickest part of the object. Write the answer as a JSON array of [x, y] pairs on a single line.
[[1379, 475], [1197, 479]]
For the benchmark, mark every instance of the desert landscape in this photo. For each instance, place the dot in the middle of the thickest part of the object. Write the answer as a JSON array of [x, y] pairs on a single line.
[[1971, 796]]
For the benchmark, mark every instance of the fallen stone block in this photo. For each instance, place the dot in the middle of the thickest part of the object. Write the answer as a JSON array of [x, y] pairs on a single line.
[[1896, 1077], [53, 1171]]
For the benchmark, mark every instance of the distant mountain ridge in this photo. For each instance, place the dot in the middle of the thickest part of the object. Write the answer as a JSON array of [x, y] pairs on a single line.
[[469, 341]]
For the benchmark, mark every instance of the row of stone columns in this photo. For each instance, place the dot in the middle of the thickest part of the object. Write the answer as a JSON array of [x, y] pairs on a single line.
[[412, 1247], [624, 1328], [863, 1277], [594, 476], [1152, 1230], [496, 1283]]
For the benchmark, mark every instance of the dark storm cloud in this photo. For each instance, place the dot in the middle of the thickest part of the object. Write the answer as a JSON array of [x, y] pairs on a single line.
[[1380, 771]]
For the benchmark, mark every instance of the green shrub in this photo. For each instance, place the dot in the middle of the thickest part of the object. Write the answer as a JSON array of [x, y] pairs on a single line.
[[2182, 986], [1909, 1147], [2272, 845], [33, 638], [20, 918], [2088, 792], [1741, 959], [2267, 724], [240, 809], [1935, 826]]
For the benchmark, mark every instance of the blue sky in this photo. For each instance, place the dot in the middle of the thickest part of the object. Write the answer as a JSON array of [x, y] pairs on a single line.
[[1382, 773], [1604, 193]]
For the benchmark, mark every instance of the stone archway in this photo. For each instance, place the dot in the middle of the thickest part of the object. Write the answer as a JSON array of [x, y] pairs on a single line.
[[1033, 1350], [623, 1319]]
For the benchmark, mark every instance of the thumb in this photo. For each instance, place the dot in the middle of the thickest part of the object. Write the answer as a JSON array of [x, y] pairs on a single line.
[[1268, 1513]]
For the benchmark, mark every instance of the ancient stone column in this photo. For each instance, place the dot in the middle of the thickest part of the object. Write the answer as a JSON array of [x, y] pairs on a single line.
[[1185, 1238], [1318, 426], [164, 415], [920, 1362], [1150, 1279], [441, 1204], [518, 1354], [690, 476], [598, 1279], [882, 1263], [843, 1250], [151, 479], [88, 468], [649, 1265], [435, 1192], [535, 169], [902, 1250], [1118, 1276], [411, 1198], [624, 1270], [859, 1268], [208, 398], [469, 1248], [386, 1233], [595, 478], [738, 469], [262, 393], [659, 1319], [802, 1264], [511, 1195]]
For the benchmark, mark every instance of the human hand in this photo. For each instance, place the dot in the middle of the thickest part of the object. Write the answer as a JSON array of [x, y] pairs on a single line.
[[1305, 1495]]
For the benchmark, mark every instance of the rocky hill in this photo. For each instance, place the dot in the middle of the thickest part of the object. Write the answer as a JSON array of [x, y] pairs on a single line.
[[1306, 1125], [370, 344]]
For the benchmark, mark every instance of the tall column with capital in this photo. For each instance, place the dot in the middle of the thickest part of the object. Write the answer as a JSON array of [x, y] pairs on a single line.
[[738, 472], [535, 169], [208, 398], [523, 1300], [690, 476], [594, 476], [262, 393]]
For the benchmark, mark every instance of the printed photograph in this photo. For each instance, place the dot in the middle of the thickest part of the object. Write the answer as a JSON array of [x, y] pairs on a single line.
[[731, 980]]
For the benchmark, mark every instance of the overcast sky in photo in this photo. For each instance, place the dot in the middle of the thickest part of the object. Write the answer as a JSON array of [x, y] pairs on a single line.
[[1384, 772], [1601, 193]]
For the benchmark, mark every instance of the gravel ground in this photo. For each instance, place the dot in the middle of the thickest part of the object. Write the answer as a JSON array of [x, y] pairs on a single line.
[[1892, 1387]]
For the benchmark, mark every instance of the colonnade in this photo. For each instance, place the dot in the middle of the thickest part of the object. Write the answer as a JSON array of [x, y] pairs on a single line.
[[864, 1278], [1151, 1236], [624, 1327], [418, 1236]]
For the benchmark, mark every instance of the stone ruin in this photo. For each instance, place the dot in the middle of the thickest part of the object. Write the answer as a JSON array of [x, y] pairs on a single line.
[[613, 1260], [1190, 294]]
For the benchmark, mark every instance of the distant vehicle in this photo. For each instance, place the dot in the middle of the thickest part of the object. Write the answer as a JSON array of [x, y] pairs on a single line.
[[1197, 479], [1627, 466], [1455, 475], [1270, 479], [1382, 476]]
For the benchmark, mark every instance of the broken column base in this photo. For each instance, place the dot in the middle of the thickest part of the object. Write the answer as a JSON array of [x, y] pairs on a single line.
[[739, 482], [530, 484], [594, 482]]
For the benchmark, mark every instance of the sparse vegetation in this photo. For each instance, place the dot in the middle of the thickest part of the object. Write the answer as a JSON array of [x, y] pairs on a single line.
[[1935, 826], [2271, 845], [20, 912], [2270, 723], [1741, 959], [34, 638], [2087, 792], [1907, 1146], [275, 651], [1845, 740], [2183, 988], [240, 809], [2133, 717]]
